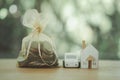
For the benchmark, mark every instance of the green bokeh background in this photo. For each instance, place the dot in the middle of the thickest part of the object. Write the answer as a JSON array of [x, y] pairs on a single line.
[[70, 21]]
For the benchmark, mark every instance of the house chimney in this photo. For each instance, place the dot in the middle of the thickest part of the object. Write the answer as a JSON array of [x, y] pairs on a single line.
[[83, 44]]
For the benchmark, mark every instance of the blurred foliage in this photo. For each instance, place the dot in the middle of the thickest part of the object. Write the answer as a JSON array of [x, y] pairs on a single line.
[[70, 21]]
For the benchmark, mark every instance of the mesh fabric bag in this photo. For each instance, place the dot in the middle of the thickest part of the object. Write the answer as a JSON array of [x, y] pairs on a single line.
[[38, 49]]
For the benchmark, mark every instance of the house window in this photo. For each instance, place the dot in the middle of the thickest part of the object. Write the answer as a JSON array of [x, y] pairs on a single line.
[[94, 63]]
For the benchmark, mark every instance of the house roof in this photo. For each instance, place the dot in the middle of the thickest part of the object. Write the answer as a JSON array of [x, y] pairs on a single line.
[[90, 49], [89, 53]]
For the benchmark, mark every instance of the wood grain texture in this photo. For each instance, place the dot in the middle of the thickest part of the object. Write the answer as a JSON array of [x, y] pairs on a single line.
[[108, 70]]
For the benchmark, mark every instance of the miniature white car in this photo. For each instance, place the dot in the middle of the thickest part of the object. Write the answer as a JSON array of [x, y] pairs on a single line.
[[71, 60]]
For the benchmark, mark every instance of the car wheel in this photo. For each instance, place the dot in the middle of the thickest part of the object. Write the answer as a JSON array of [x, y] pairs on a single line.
[[79, 65], [63, 64]]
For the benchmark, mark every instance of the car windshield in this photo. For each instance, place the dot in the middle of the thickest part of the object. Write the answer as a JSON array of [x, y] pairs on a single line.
[[71, 57]]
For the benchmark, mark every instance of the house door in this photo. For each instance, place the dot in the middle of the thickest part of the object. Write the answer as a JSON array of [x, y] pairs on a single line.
[[90, 64]]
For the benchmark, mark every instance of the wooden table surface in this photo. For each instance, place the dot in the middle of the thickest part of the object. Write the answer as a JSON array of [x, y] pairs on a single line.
[[108, 70]]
